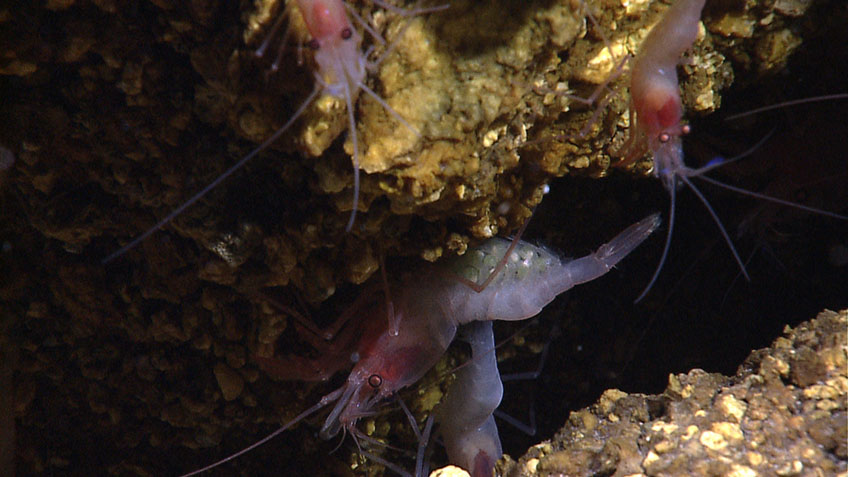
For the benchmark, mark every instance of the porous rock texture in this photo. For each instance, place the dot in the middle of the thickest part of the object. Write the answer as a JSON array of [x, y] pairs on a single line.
[[115, 112], [783, 413]]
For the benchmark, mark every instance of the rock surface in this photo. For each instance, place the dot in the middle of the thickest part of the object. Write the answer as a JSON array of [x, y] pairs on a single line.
[[783, 413]]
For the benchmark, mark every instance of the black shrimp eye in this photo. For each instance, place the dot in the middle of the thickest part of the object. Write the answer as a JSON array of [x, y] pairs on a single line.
[[375, 381], [313, 44], [346, 33]]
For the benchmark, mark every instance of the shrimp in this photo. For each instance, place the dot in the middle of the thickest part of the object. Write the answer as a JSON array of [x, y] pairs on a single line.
[[429, 308], [656, 112], [341, 68], [655, 104]]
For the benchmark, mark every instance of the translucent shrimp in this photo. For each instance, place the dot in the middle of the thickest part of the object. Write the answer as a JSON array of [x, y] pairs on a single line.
[[430, 307], [341, 69], [656, 111]]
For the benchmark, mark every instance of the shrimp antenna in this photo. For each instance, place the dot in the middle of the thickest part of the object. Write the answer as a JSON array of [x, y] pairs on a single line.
[[390, 109], [775, 200], [713, 164], [671, 213], [263, 48], [719, 224], [185, 205], [365, 26], [684, 174], [718, 161], [352, 122], [787, 104], [315, 408]]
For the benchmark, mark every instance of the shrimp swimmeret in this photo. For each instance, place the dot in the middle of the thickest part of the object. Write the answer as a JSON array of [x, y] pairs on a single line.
[[428, 308], [341, 69]]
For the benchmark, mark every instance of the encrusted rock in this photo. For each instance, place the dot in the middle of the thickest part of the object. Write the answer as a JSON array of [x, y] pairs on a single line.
[[776, 432]]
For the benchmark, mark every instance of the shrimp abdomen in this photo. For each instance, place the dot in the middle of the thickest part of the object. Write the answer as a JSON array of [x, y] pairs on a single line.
[[533, 276], [512, 294], [673, 35]]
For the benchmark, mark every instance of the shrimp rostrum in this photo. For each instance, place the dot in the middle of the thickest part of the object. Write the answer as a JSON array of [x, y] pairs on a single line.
[[428, 307]]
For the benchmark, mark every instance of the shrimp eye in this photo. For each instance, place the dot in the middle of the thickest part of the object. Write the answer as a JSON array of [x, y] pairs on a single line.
[[375, 381], [664, 137], [313, 44], [686, 129], [346, 33]]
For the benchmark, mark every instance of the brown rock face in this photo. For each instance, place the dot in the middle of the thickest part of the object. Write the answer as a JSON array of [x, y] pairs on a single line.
[[113, 113]]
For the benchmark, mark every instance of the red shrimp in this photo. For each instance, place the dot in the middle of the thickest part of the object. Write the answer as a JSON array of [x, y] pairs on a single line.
[[429, 308], [341, 68], [656, 111]]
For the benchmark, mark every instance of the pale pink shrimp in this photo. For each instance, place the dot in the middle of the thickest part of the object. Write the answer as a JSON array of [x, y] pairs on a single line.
[[656, 108], [655, 114], [655, 105], [429, 308], [341, 68]]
